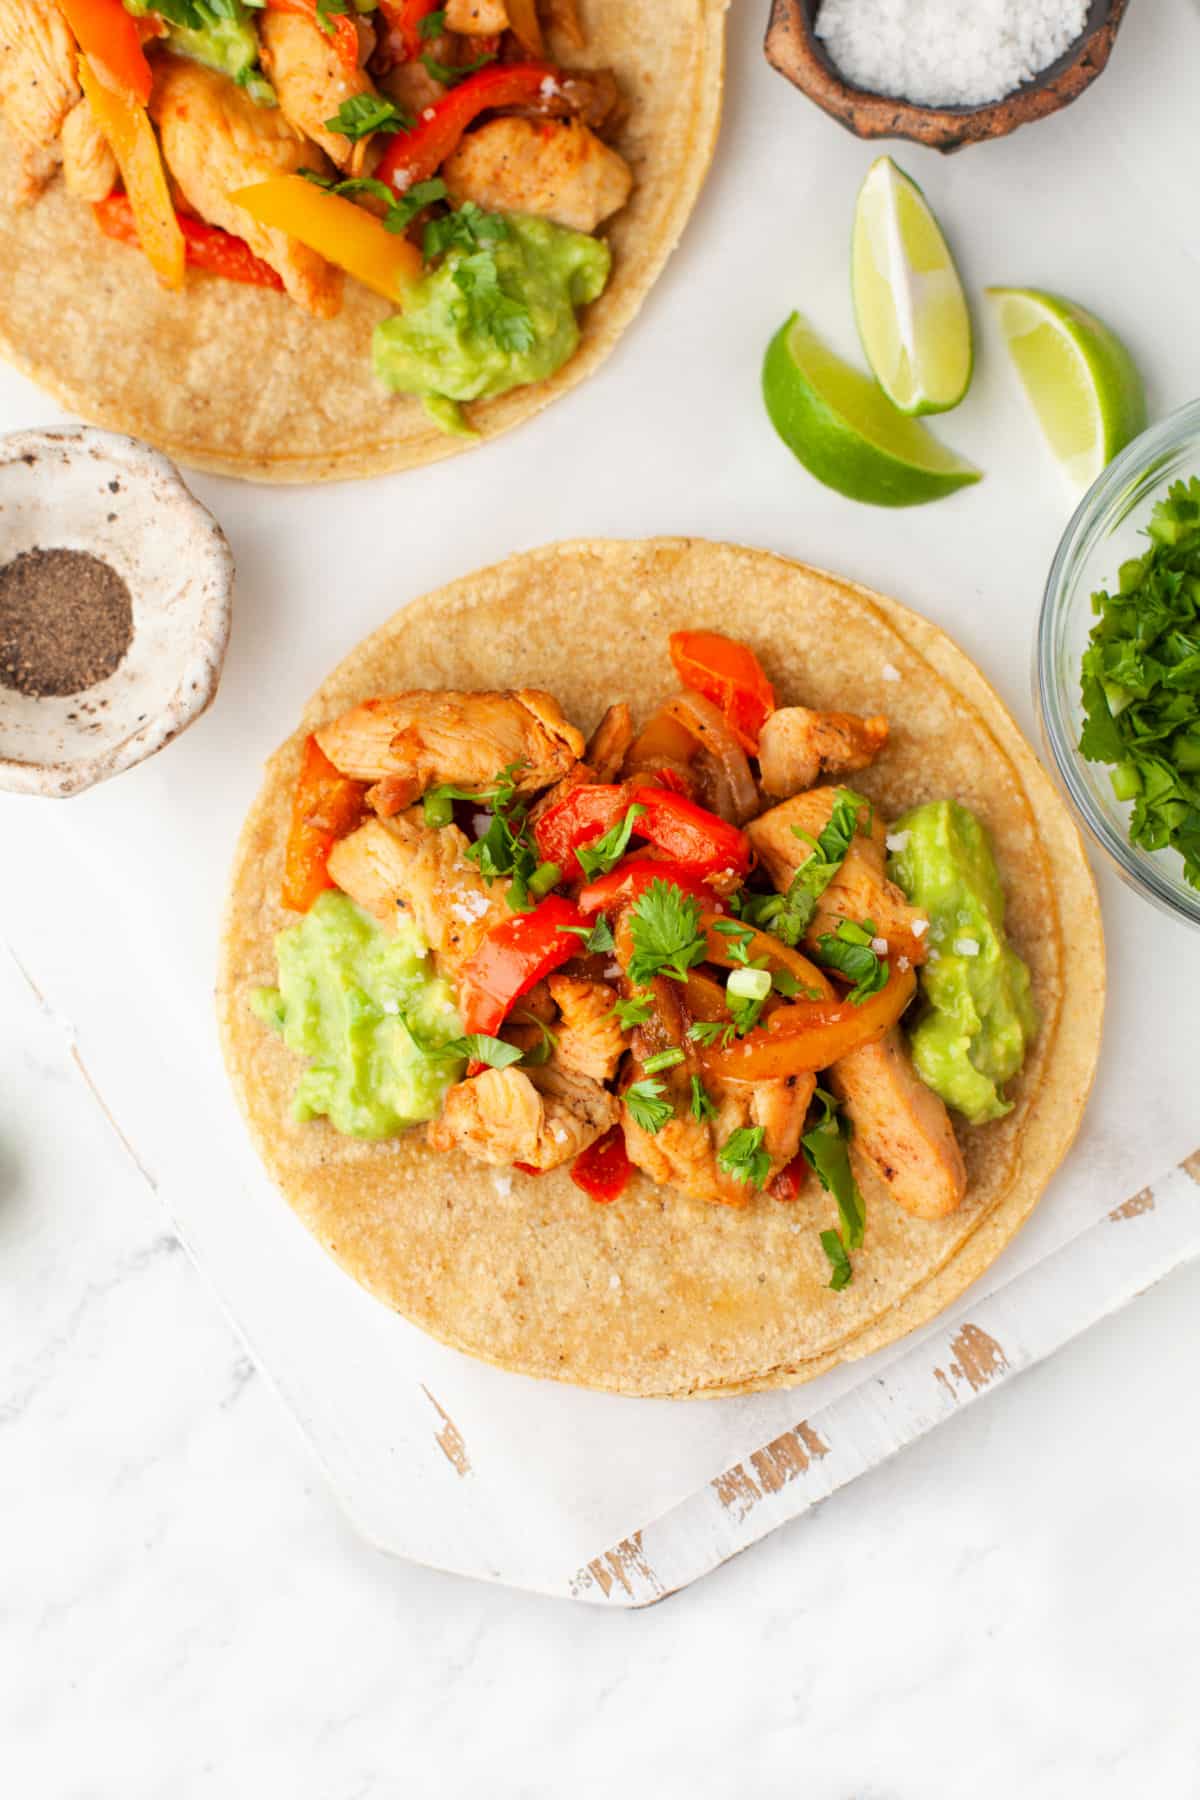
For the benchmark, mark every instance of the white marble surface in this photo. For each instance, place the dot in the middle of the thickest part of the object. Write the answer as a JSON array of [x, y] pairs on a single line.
[[1010, 1605]]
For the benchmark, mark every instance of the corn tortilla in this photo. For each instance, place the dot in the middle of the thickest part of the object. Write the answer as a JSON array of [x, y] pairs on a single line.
[[240, 381], [657, 1294]]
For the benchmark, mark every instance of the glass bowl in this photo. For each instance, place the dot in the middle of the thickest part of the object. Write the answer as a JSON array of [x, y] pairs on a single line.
[[1106, 530]]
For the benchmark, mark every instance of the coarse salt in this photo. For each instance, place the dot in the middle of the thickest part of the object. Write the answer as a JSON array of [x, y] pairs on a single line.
[[920, 927], [947, 52], [966, 946], [502, 1184], [879, 946], [898, 841], [891, 672]]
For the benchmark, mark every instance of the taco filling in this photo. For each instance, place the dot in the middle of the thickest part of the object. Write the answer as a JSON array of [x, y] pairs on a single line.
[[441, 156], [675, 947]]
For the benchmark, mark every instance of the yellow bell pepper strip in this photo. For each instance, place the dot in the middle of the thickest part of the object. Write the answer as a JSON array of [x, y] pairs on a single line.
[[126, 125], [336, 229], [109, 38]]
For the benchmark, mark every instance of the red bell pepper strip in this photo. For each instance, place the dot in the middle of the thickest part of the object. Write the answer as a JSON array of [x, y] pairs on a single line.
[[730, 675], [622, 885], [205, 246], [581, 816], [415, 155], [690, 834], [339, 28], [789, 1184], [603, 1170], [325, 807], [512, 958], [404, 19], [109, 38]]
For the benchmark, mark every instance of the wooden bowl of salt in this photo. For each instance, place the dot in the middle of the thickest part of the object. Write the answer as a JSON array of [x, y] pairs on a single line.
[[844, 54]]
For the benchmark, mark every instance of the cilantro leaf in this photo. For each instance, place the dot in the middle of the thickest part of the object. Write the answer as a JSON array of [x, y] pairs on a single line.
[[634, 1011], [825, 1151], [703, 1105], [839, 1262], [478, 1047], [448, 73], [400, 210], [664, 927], [466, 228], [597, 938], [433, 24], [506, 320], [326, 9], [713, 1031], [848, 950], [742, 1156], [363, 114], [647, 1107], [788, 916], [547, 1044], [598, 858]]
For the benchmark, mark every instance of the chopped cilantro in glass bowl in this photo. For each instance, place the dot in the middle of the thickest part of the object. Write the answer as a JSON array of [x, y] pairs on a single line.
[[1140, 704]]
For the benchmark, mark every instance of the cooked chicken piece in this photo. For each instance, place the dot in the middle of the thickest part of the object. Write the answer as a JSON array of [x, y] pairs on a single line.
[[512, 1115], [477, 18], [37, 87], [779, 1107], [409, 84], [402, 867], [901, 1127], [590, 1038], [215, 139], [609, 743], [797, 747], [860, 889], [89, 166], [421, 740], [312, 81], [562, 19], [590, 95], [558, 170]]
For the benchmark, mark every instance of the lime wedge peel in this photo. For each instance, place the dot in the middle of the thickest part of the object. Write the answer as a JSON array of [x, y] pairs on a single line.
[[845, 430], [908, 299], [1079, 378]]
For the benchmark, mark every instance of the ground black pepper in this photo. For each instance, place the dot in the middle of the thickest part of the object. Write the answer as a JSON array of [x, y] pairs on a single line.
[[66, 620]]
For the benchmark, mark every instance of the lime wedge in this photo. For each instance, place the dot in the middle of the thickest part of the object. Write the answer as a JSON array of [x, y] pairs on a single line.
[[846, 431], [912, 313], [1080, 379]]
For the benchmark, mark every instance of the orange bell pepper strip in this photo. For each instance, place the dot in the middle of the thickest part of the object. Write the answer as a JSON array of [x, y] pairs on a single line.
[[808, 1035], [730, 675], [755, 946], [415, 155], [108, 36], [126, 125], [339, 28], [205, 246], [336, 229], [325, 807]]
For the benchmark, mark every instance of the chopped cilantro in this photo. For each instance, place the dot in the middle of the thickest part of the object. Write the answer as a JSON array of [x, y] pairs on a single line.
[[597, 938], [713, 1031], [825, 1151], [363, 114], [447, 73], [1140, 678], [848, 950], [433, 24], [703, 1105], [742, 1156], [839, 1262], [664, 926], [467, 228], [400, 211], [788, 916], [326, 9], [634, 1011], [480, 1048], [598, 858], [647, 1107]]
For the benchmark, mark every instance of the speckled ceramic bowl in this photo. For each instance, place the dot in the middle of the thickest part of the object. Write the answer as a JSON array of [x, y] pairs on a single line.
[[79, 489], [794, 48]]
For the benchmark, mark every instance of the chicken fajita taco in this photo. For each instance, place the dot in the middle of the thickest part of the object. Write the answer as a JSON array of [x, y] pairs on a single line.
[[678, 1017], [310, 239]]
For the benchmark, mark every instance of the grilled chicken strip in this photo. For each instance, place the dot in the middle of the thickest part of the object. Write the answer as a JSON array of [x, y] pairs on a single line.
[[860, 889], [89, 166], [399, 867], [420, 740], [557, 169], [215, 139], [797, 747], [901, 1127], [477, 18], [538, 1116], [37, 87], [312, 81], [590, 1039]]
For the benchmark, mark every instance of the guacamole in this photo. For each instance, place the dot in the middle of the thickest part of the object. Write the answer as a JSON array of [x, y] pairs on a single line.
[[496, 312], [367, 1008], [218, 33], [979, 1016]]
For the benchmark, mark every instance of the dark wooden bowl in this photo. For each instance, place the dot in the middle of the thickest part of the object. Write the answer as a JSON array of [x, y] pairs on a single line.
[[794, 49]]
